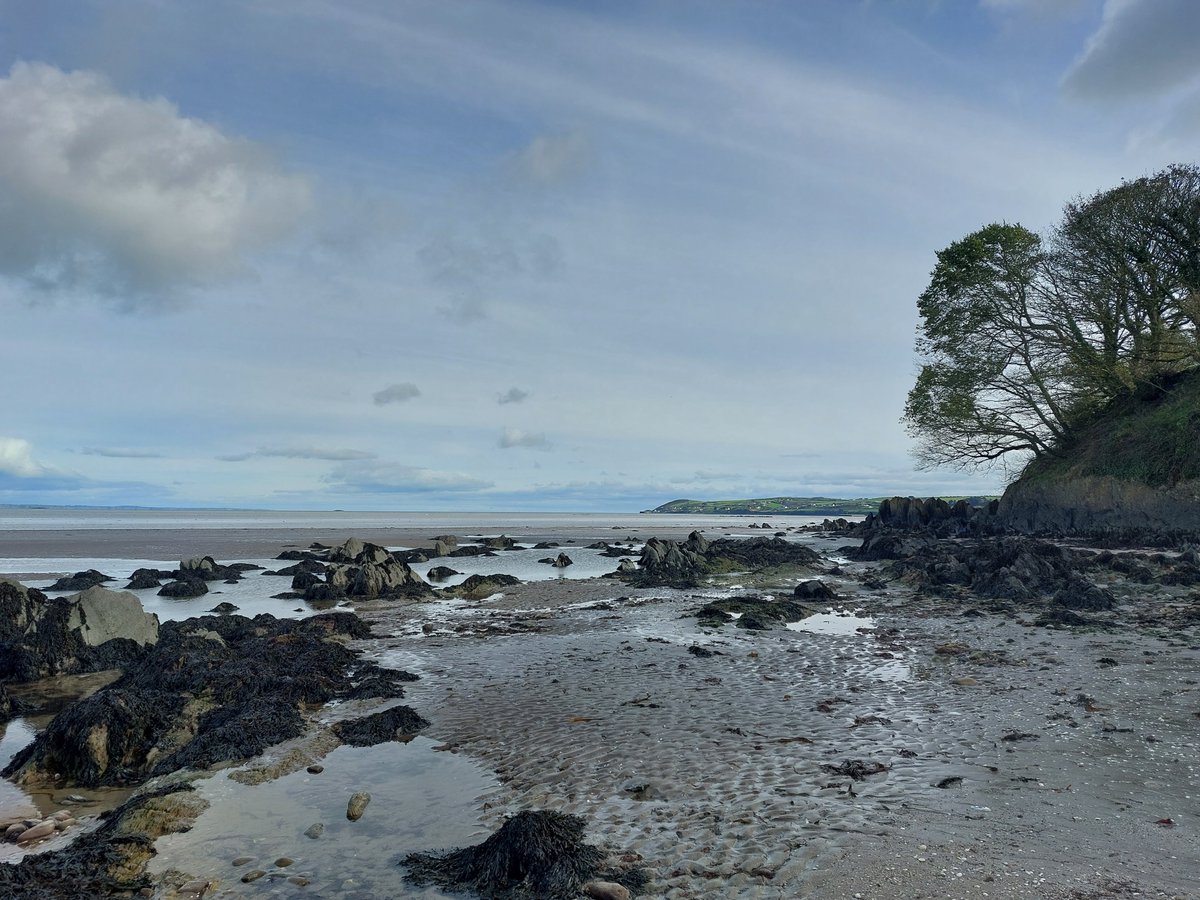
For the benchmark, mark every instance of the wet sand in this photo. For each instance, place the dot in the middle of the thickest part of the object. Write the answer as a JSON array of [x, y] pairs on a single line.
[[1017, 761]]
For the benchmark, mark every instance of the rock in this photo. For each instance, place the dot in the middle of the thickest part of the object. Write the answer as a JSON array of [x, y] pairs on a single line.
[[479, 586], [813, 590], [242, 861], [315, 769], [441, 573], [499, 543], [14, 831], [283, 862], [80, 581], [371, 572], [1081, 594], [357, 805], [606, 890], [224, 608], [315, 830], [253, 875], [142, 579], [37, 832], [389, 725], [562, 561], [86, 632], [192, 587]]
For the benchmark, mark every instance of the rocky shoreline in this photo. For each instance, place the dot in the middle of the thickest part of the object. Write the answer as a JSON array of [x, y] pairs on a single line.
[[724, 715]]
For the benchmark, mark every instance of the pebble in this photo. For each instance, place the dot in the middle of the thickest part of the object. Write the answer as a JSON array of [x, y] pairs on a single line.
[[242, 860], [965, 681], [315, 769], [357, 805], [299, 881], [253, 875], [283, 862], [13, 830], [315, 830], [606, 890], [37, 832]]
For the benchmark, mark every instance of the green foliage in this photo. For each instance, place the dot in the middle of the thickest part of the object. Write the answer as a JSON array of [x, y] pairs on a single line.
[[1025, 341]]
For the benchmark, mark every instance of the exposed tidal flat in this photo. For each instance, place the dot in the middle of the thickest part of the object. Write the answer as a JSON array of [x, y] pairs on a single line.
[[902, 736]]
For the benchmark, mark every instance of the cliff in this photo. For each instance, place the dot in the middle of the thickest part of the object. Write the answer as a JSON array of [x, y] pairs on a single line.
[[1135, 468]]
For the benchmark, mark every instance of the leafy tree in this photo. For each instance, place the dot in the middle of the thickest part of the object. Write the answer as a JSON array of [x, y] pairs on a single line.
[[1024, 340]]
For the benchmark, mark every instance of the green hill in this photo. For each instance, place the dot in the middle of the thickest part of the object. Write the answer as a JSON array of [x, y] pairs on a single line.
[[776, 506]]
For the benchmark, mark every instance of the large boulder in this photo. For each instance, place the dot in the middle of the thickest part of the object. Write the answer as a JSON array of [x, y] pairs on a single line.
[[93, 630], [371, 572]]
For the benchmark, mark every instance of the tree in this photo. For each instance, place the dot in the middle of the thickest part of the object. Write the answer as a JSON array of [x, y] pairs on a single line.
[[1024, 340]]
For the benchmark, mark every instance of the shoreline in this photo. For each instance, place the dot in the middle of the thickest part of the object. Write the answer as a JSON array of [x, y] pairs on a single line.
[[584, 696]]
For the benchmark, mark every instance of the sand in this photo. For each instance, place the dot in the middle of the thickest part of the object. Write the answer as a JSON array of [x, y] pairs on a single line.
[[1018, 761]]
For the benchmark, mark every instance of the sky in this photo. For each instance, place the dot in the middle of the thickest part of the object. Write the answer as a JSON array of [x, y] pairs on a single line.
[[509, 255]]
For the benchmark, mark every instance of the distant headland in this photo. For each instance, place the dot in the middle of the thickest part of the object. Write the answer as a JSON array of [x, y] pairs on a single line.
[[787, 506]]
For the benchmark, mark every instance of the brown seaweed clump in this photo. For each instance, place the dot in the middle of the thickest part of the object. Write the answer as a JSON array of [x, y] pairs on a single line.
[[535, 854]]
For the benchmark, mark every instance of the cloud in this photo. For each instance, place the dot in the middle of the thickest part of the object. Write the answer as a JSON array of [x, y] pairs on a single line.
[[394, 478], [1141, 47], [1039, 7], [120, 453], [551, 159], [514, 437], [396, 393], [16, 458], [512, 395], [298, 453], [123, 195]]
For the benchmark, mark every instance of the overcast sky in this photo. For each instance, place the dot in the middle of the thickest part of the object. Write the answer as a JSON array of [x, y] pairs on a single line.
[[380, 254]]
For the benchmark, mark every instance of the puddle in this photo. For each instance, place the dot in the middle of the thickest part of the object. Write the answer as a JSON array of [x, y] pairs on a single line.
[[420, 800], [840, 622]]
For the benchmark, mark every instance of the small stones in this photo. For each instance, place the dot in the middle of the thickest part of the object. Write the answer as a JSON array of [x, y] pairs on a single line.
[[357, 805], [315, 769], [283, 862], [299, 880], [315, 830], [243, 860], [253, 875]]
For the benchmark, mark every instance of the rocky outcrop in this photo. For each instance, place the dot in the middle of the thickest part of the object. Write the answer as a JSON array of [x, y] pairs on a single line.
[[1099, 505], [368, 571], [682, 565], [933, 514], [477, 587], [86, 632], [214, 688], [80, 581]]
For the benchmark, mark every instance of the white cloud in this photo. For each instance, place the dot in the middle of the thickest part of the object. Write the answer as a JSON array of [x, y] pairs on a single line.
[[514, 437], [396, 393], [394, 478], [120, 453], [124, 195], [512, 395], [1141, 47], [335, 455], [16, 458]]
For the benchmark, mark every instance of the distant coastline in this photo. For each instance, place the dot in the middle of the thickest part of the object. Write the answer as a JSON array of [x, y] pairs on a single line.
[[785, 506]]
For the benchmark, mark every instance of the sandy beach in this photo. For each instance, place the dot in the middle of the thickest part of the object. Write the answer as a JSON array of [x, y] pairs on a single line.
[[896, 745]]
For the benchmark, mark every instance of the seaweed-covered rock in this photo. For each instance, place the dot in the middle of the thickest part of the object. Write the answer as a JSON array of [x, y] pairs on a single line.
[[184, 589], [80, 581], [93, 630], [142, 579], [813, 590], [1081, 594], [752, 612], [441, 573], [535, 854], [111, 860], [369, 571], [214, 688], [389, 725], [682, 565], [479, 586]]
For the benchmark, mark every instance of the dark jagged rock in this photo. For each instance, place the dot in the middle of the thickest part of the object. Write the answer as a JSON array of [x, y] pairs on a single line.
[[192, 587], [297, 555], [441, 573], [142, 579], [502, 542], [224, 608], [753, 613], [390, 725], [479, 586], [813, 590], [80, 581], [304, 567], [682, 565], [10, 706], [302, 581], [1081, 594], [471, 550], [370, 571], [559, 562], [214, 688], [86, 632], [535, 854]]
